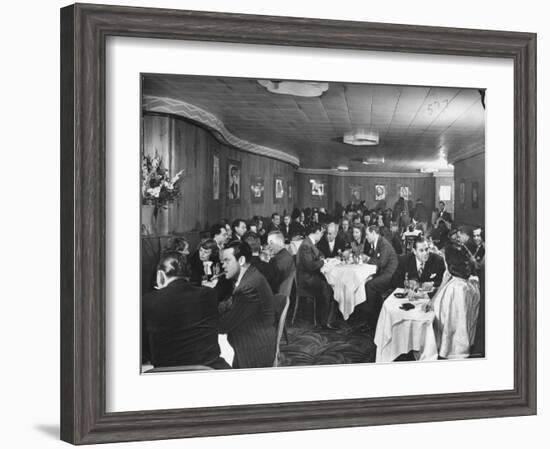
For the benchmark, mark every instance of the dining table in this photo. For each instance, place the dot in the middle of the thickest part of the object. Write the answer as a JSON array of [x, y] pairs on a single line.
[[400, 331], [348, 282]]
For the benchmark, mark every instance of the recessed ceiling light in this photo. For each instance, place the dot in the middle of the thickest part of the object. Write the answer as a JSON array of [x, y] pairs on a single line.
[[373, 160], [361, 138], [429, 170], [296, 88], [342, 167]]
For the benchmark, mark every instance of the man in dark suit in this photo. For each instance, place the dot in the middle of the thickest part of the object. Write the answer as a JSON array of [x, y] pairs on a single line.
[[179, 320], [382, 254], [239, 228], [309, 261], [263, 267], [282, 262], [421, 265], [330, 244], [442, 214], [248, 317], [345, 233], [275, 224], [286, 228]]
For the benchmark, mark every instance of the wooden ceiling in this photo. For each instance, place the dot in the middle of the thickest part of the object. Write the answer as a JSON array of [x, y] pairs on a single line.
[[417, 125]]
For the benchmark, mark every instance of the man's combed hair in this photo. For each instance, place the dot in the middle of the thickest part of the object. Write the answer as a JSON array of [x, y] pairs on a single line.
[[173, 264], [313, 228], [216, 229], [374, 228], [241, 249], [237, 222], [418, 240], [253, 241]]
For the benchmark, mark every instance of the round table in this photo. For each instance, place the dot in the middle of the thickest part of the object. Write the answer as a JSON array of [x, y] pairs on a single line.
[[348, 283], [399, 331]]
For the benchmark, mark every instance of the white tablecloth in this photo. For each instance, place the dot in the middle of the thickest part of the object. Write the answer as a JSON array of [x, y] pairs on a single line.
[[399, 331], [348, 282]]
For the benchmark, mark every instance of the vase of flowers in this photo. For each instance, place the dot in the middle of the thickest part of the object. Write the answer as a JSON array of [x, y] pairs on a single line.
[[158, 190]]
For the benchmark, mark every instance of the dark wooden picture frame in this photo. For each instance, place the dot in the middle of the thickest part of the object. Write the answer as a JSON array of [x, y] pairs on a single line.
[[277, 179], [231, 165], [84, 29]]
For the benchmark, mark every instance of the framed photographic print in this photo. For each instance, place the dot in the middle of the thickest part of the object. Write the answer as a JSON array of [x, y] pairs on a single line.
[[475, 195], [233, 180], [462, 193], [215, 177], [355, 191], [317, 188], [257, 188], [278, 188], [117, 104], [380, 192]]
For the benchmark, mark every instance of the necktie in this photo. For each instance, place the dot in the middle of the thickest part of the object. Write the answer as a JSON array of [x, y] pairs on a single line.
[[420, 270]]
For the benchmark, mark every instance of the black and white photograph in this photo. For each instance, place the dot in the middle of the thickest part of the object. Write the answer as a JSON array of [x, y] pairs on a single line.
[[257, 187], [233, 180], [394, 272], [278, 188]]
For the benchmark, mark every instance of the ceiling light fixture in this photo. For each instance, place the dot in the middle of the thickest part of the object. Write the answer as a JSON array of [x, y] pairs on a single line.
[[361, 138], [373, 160], [342, 167], [296, 88], [429, 170]]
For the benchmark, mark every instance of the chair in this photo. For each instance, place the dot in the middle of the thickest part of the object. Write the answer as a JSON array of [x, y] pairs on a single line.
[[303, 293], [286, 289], [282, 303]]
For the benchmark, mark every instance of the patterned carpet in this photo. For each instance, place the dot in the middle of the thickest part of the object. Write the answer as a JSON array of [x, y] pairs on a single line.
[[311, 346]]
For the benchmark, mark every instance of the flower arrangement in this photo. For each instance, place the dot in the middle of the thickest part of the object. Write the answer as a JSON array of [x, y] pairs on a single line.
[[157, 187]]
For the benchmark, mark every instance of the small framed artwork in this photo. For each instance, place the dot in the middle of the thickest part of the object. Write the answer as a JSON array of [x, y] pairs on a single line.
[[233, 180], [475, 195], [257, 188], [355, 192], [278, 188], [462, 194], [215, 177], [317, 188], [107, 395]]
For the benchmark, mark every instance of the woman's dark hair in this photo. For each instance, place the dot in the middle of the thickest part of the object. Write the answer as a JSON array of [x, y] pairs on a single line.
[[457, 259], [361, 230], [211, 244]]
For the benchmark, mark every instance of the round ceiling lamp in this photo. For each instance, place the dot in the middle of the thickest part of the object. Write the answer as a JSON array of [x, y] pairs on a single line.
[[361, 138], [296, 88]]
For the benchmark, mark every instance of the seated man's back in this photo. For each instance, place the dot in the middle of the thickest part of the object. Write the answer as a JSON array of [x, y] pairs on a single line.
[[181, 325]]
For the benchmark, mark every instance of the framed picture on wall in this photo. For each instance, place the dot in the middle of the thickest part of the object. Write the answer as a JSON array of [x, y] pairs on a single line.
[[355, 193], [289, 190], [462, 194], [233, 180], [278, 188], [257, 188], [105, 396], [475, 195], [379, 192], [317, 188], [215, 177]]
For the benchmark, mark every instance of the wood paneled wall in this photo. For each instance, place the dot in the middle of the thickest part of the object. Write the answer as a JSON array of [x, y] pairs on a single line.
[[190, 147], [422, 188], [470, 171]]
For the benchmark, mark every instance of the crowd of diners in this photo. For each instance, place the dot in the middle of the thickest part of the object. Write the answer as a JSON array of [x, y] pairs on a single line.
[[227, 285]]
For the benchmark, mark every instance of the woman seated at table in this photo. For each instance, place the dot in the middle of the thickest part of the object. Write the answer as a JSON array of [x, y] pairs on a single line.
[[204, 261], [358, 243], [456, 306]]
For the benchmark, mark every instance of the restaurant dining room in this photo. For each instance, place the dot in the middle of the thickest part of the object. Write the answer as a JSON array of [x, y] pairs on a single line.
[[309, 222]]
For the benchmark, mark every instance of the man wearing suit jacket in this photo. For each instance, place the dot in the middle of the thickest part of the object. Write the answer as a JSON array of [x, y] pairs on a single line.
[[420, 265], [275, 224], [179, 320], [382, 254], [282, 262], [331, 244], [248, 317], [308, 265]]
